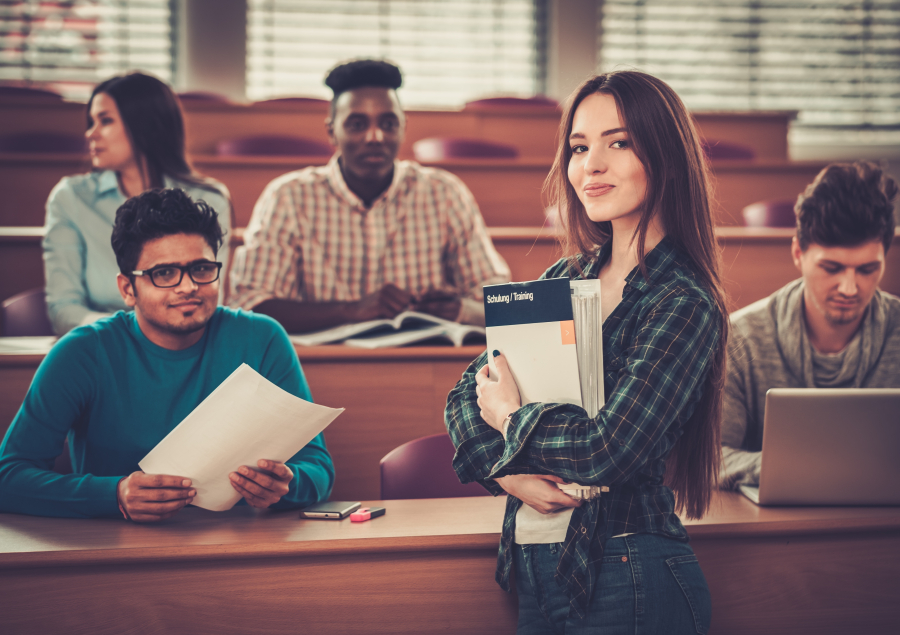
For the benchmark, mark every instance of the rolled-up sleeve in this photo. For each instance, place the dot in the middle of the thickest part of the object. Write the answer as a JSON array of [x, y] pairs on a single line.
[[470, 256], [64, 263], [267, 265]]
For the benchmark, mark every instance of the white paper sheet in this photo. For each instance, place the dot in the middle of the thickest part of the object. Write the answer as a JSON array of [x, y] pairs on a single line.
[[27, 345], [245, 419]]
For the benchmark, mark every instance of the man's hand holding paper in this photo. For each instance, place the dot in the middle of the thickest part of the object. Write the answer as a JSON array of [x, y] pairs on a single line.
[[264, 486], [146, 498], [236, 442]]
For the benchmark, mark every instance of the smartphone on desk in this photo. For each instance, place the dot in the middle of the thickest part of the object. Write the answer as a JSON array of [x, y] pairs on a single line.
[[330, 510]]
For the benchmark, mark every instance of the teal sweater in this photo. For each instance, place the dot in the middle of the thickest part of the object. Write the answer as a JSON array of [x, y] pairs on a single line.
[[116, 395]]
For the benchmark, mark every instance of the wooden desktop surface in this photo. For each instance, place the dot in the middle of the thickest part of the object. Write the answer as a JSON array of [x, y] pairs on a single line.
[[426, 566]]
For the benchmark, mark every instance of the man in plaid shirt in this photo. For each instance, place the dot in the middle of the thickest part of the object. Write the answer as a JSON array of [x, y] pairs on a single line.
[[365, 236]]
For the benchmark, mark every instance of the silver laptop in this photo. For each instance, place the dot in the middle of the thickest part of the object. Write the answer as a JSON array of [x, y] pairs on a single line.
[[830, 446]]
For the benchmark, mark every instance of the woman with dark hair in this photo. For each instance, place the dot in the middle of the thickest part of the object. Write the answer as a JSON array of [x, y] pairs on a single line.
[[135, 133], [631, 182]]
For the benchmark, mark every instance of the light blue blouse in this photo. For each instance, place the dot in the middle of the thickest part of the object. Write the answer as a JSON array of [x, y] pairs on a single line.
[[79, 264]]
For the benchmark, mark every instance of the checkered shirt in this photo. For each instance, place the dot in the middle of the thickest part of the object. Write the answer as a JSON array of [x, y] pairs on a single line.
[[657, 346], [311, 238]]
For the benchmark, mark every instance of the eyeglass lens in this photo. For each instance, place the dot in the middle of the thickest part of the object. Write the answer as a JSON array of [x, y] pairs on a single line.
[[201, 273]]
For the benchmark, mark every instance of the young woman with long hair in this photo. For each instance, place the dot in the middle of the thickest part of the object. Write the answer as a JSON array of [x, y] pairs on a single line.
[[631, 183], [135, 133]]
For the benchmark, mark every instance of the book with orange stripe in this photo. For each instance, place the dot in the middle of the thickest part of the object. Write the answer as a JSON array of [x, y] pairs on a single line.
[[533, 324]]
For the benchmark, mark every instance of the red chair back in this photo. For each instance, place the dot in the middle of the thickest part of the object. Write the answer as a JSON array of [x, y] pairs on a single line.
[[726, 151], [441, 148], [202, 96], [422, 468], [26, 314], [770, 214], [46, 142], [505, 103], [273, 145]]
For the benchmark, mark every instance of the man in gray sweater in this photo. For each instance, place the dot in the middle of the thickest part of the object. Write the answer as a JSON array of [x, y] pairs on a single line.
[[831, 328]]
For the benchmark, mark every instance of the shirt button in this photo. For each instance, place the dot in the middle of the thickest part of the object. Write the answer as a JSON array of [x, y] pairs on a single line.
[[626, 289], [621, 442], [584, 530]]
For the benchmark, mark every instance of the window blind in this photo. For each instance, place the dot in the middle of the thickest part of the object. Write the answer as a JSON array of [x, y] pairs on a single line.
[[449, 51], [70, 45], [836, 62]]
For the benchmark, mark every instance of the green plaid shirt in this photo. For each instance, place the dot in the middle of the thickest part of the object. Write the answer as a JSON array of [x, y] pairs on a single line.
[[657, 346]]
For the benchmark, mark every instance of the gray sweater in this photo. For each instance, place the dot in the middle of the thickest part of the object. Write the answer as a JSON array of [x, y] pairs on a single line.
[[769, 348]]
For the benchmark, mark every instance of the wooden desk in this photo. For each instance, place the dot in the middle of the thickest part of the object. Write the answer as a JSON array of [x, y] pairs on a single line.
[[532, 129], [757, 261], [426, 566], [391, 396], [508, 191]]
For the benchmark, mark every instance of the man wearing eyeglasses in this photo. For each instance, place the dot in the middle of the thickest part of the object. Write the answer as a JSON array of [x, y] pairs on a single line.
[[118, 386]]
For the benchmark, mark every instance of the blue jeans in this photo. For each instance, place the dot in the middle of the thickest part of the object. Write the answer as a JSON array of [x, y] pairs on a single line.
[[647, 584]]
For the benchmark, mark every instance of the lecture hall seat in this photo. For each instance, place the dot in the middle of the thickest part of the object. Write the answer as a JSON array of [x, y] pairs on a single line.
[[273, 145], [202, 97], [29, 92], [43, 142], [292, 99], [779, 213], [422, 468], [505, 103], [442, 148], [717, 150], [25, 314]]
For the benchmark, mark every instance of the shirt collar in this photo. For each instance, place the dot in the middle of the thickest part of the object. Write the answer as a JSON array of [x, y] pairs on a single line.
[[107, 182], [658, 261], [339, 185]]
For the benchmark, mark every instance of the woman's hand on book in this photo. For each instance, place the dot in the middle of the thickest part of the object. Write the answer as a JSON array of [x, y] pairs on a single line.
[[498, 396], [538, 491]]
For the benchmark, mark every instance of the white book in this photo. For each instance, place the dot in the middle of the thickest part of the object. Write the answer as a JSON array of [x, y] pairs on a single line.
[[27, 345], [550, 333], [532, 324], [408, 327]]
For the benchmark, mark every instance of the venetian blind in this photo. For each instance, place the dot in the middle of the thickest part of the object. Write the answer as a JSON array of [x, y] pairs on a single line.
[[450, 51], [837, 62], [70, 45]]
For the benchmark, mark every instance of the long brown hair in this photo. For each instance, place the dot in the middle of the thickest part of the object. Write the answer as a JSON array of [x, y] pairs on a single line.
[[152, 118], [678, 189]]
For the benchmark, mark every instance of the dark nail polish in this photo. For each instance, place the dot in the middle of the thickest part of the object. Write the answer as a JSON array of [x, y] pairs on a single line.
[[496, 353]]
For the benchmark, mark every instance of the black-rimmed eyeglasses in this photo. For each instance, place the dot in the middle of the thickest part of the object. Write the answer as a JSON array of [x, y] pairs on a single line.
[[167, 276]]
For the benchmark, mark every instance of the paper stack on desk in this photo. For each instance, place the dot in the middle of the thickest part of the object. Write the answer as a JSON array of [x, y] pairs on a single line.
[[245, 419]]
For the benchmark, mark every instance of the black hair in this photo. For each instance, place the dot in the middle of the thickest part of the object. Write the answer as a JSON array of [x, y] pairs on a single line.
[[157, 213], [848, 204], [152, 118], [362, 73]]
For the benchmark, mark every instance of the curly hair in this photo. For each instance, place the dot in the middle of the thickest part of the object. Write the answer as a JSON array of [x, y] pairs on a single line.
[[158, 213], [847, 204]]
